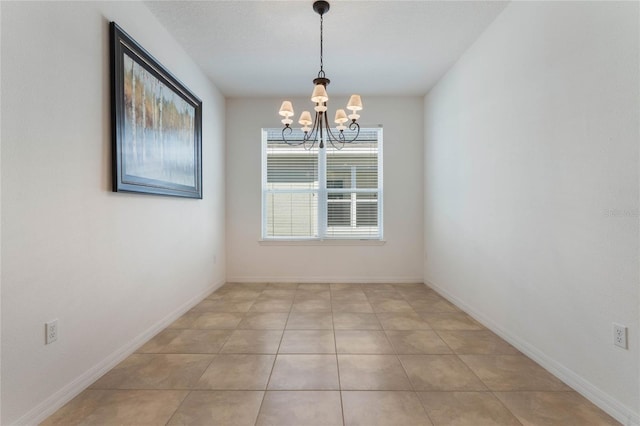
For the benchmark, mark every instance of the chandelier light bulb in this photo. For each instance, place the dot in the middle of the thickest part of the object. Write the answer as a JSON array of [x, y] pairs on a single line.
[[355, 103], [341, 117], [286, 121], [319, 94], [305, 119], [320, 108], [354, 116]]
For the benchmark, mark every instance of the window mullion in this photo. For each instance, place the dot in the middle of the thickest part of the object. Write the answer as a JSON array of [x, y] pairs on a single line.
[[322, 193], [353, 197], [264, 183]]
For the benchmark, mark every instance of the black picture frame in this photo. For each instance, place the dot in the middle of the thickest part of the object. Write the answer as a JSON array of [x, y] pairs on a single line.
[[156, 124]]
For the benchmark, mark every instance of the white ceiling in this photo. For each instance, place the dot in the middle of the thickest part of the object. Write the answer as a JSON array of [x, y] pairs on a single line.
[[272, 48]]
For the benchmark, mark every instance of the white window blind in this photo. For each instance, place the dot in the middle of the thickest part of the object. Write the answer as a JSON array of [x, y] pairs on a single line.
[[322, 193]]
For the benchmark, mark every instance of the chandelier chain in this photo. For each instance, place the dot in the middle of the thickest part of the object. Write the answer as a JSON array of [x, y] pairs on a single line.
[[321, 73]]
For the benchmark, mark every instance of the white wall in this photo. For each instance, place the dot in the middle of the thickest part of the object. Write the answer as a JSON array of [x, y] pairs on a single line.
[[531, 189], [111, 267], [0, 226], [400, 259]]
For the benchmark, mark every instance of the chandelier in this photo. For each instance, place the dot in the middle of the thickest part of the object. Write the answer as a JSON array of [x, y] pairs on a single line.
[[319, 129]]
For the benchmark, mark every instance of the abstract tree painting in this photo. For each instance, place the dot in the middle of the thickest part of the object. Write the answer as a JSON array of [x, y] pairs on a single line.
[[157, 125]]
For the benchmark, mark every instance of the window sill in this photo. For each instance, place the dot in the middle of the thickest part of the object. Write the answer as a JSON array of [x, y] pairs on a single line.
[[321, 242]]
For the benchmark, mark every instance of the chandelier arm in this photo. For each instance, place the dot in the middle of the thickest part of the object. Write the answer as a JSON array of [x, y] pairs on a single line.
[[354, 126], [287, 130], [312, 135], [336, 141], [341, 138]]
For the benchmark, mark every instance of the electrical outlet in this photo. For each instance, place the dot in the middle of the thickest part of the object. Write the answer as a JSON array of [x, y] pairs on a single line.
[[620, 335], [51, 332]]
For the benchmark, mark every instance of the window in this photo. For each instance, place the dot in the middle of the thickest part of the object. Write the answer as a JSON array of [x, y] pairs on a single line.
[[322, 193]]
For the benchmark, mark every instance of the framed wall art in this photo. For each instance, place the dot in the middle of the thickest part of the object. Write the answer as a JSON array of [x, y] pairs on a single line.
[[156, 124]]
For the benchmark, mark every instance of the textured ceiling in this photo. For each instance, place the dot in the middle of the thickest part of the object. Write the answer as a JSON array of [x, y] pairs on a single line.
[[271, 48]]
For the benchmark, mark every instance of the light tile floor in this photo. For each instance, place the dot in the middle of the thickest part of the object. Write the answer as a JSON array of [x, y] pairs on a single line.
[[328, 354]]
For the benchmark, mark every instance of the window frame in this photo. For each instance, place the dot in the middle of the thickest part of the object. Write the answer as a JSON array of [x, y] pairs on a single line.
[[323, 196]]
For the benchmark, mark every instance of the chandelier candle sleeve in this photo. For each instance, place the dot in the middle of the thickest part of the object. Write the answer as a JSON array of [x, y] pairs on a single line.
[[319, 129]]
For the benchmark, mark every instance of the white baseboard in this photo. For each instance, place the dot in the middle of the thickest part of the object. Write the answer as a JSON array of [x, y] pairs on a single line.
[[50, 405], [608, 404], [309, 279]]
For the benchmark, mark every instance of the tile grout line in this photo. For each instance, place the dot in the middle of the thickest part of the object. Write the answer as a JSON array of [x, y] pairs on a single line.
[[178, 407], [275, 358], [489, 390], [413, 388], [335, 344], [203, 371], [493, 393]]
